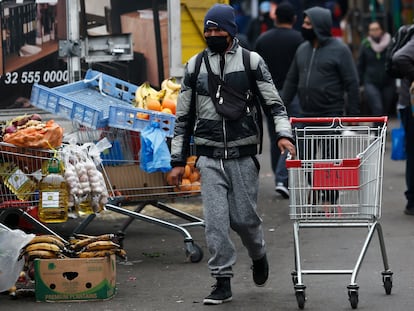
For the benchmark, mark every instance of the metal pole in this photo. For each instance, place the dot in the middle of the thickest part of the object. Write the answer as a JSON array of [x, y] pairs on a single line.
[[174, 38], [72, 26]]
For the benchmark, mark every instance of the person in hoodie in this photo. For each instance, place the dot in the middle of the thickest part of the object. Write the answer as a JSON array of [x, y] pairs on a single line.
[[322, 73]]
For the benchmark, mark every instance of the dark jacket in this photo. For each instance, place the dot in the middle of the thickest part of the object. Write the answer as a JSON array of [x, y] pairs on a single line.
[[321, 76], [277, 46], [404, 62], [213, 135], [371, 66]]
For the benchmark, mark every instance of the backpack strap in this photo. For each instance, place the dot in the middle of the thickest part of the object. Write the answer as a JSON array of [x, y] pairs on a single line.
[[255, 91]]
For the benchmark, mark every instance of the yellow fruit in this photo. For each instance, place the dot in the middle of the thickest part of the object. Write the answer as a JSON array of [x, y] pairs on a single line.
[[194, 176], [187, 171], [185, 185]]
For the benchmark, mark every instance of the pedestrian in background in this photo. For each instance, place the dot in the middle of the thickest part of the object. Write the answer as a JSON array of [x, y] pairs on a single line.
[[322, 73], [227, 149], [259, 24], [277, 46], [379, 87], [404, 62]]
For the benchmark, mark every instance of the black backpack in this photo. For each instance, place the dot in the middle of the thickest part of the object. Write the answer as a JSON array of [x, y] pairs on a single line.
[[402, 36]]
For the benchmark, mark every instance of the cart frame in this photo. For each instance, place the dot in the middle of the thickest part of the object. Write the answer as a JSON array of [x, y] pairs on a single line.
[[337, 188]]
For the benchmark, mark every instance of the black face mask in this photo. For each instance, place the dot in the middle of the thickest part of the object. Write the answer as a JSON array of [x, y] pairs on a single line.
[[217, 44], [308, 34]]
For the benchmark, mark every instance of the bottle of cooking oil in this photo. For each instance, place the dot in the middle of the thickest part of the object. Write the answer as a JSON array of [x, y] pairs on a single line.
[[85, 206], [17, 181], [54, 194]]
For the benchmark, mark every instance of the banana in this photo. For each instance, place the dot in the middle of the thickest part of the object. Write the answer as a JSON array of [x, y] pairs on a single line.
[[86, 239], [101, 253], [101, 245], [42, 246], [121, 253], [47, 239], [139, 100], [172, 84], [41, 254]]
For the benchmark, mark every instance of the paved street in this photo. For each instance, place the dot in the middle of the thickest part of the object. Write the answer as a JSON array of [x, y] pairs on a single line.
[[158, 277]]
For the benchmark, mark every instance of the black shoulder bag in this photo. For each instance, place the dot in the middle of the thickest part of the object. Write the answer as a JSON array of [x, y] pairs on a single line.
[[229, 103]]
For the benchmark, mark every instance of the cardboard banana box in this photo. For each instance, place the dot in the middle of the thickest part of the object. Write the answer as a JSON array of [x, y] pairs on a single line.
[[75, 279]]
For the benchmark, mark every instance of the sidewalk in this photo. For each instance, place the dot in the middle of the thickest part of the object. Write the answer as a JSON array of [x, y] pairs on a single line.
[[158, 277]]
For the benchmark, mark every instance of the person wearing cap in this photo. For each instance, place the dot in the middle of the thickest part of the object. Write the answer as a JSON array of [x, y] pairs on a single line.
[[277, 46], [227, 149]]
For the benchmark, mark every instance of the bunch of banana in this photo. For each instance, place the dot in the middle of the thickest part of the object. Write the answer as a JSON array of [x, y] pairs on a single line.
[[86, 246], [43, 246], [171, 87], [145, 92]]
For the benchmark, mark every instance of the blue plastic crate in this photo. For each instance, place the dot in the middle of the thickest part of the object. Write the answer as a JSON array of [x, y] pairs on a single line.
[[125, 117], [87, 101]]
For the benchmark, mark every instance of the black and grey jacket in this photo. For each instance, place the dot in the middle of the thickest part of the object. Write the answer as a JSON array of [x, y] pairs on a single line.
[[213, 135]]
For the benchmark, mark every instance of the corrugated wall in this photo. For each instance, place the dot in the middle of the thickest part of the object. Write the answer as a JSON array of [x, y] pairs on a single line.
[[192, 30]]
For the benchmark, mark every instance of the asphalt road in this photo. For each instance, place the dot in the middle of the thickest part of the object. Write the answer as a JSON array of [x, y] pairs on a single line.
[[158, 276]]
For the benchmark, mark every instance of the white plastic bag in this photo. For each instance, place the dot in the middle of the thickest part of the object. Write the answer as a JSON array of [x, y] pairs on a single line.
[[11, 242]]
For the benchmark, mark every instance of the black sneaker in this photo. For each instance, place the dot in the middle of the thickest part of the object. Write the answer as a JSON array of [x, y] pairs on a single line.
[[221, 292], [260, 269]]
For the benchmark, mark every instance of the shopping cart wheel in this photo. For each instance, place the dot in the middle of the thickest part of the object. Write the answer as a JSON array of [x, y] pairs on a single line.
[[300, 298], [195, 254], [387, 280], [353, 295], [300, 295]]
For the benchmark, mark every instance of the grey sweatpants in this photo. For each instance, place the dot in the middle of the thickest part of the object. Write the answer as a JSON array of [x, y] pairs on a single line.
[[229, 192]]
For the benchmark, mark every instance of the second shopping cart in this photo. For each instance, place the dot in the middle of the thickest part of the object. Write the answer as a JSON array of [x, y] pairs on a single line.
[[336, 182]]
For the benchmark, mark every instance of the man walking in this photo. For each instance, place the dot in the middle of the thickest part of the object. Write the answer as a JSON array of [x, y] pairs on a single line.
[[226, 148]]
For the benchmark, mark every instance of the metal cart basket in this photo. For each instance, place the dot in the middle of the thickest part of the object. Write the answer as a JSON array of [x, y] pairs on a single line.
[[336, 182], [130, 188]]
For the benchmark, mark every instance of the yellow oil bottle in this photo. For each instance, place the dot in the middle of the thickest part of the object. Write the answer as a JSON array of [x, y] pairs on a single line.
[[53, 195], [84, 208], [17, 181]]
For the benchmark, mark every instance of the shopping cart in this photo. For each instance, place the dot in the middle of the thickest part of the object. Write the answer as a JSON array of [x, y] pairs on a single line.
[[336, 182], [130, 189]]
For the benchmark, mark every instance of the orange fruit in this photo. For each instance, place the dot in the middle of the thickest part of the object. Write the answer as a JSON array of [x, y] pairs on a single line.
[[153, 104], [196, 186], [194, 176], [187, 171], [191, 160], [185, 185], [166, 110], [170, 104]]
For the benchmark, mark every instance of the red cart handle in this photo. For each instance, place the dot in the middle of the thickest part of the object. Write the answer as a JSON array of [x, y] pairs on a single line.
[[293, 120]]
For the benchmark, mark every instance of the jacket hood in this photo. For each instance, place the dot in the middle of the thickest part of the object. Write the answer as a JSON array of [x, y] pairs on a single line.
[[321, 20]]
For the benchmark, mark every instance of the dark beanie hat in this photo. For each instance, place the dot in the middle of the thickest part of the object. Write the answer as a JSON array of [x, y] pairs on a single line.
[[221, 16]]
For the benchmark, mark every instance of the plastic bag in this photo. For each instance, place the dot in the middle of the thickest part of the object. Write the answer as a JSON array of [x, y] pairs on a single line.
[[11, 242], [398, 144], [155, 155]]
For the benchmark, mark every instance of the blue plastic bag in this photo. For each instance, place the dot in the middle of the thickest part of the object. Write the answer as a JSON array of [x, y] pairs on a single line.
[[155, 155], [398, 144]]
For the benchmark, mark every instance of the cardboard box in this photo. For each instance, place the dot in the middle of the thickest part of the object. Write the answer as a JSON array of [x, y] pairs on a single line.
[[141, 25], [75, 279]]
